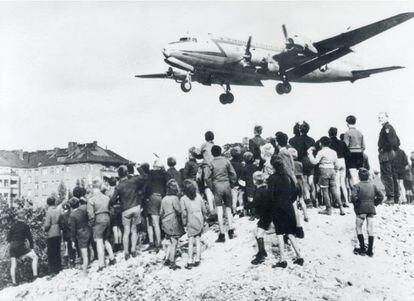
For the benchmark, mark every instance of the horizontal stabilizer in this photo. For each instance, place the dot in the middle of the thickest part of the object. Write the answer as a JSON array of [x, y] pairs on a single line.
[[358, 74], [155, 75]]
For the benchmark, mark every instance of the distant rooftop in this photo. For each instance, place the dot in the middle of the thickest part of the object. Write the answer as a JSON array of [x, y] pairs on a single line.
[[73, 154]]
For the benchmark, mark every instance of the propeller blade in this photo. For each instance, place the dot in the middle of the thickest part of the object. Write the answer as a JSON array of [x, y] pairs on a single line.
[[285, 32], [247, 53]]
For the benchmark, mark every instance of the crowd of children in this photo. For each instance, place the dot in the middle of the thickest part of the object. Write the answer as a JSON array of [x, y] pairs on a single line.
[[271, 180]]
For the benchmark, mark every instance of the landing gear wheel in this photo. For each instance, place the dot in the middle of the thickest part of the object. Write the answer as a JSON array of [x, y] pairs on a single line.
[[226, 98], [280, 89], [287, 88], [186, 86]]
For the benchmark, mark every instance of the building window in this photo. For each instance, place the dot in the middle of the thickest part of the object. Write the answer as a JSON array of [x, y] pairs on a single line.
[[29, 180], [44, 171], [36, 186], [44, 185], [6, 183], [67, 168], [57, 170], [52, 170]]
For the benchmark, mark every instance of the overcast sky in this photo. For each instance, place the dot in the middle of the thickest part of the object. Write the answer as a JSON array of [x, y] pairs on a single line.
[[67, 74]]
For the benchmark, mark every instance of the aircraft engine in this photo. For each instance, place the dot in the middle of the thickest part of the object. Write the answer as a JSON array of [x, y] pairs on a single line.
[[301, 44], [273, 66]]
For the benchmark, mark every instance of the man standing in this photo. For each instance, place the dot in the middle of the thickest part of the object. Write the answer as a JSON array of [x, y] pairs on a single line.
[[388, 142], [127, 194], [221, 177]]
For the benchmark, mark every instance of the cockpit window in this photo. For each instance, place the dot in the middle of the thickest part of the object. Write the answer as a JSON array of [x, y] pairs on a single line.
[[185, 39]]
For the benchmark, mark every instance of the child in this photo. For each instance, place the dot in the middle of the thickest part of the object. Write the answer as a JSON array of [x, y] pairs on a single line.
[[17, 236], [170, 214], [261, 203], [299, 178], [365, 196], [283, 194], [80, 230], [247, 177], [194, 214], [408, 185]]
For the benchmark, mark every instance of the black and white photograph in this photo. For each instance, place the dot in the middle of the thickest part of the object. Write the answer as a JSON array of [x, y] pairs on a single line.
[[206, 150]]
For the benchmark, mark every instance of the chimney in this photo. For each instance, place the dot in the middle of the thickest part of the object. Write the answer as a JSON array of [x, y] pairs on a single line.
[[95, 143], [72, 147]]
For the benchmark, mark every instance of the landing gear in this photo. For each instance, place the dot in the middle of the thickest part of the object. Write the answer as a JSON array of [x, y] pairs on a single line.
[[186, 84], [283, 88], [226, 98]]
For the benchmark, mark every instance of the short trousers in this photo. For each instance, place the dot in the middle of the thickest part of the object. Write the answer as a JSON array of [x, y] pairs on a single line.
[[308, 167], [154, 204], [102, 227], [84, 237], [222, 194], [355, 160], [132, 216], [18, 249], [327, 177], [264, 222], [116, 216], [408, 184], [364, 215]]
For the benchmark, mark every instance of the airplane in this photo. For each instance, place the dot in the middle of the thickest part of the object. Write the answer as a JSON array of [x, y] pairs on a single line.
[[226, 61]]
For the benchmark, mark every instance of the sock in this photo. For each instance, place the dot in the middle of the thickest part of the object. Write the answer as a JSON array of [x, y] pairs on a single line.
[[370, 243], [361, 241], [260, 244]]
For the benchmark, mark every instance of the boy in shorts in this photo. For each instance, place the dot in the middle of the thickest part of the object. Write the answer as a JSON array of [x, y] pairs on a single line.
[[365, 196]]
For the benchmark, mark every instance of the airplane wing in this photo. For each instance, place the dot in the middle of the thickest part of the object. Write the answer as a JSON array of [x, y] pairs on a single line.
[[361, 34], [154, 75], [358, 74], [170, 73], [316, 63]]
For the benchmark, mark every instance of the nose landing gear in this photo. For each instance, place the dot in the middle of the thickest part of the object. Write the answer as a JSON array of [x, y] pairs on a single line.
[[226, 98], [186, 84]]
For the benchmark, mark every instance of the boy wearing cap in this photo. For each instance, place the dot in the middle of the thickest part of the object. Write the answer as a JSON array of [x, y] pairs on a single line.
[[365, 196], [221, 177]]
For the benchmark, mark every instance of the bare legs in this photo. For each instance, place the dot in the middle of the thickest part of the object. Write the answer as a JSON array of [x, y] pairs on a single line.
[[157, 229], [84, 252], [101, 246], [220, 217]]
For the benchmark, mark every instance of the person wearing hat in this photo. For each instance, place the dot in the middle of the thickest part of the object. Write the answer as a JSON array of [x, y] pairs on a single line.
[[99, 217], [365, 197], [129, 194], [18, 235], [53, 225], [80, 230]]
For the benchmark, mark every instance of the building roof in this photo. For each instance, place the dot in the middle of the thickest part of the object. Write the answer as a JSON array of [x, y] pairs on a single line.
[[74, 154]]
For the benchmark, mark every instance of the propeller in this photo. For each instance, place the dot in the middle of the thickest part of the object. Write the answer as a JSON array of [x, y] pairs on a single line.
[[247, 57]]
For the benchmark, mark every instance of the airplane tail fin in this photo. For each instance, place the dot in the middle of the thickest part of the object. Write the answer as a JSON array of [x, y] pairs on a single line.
[[358, 74]]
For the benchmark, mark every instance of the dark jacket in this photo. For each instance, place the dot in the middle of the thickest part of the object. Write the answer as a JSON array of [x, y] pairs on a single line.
[[339, 147], [400, 161], [220, 170], [255, 144], [283, 191], [388, 139], [190, 170], [20, 231], [365, 196], [247, 175], [237, 163], [129, 192], [157, 181], [302, 144], [79, 222], [172, 173], [262, 202]]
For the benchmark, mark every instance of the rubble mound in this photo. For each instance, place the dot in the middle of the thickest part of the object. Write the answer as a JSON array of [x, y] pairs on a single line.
[[331, 270]]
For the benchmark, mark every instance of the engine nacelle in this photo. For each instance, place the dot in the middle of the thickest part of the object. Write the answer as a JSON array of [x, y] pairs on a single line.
[[273, 66], [301, 44]]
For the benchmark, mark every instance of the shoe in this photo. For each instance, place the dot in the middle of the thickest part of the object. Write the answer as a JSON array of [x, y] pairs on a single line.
[[306, 219], [100, 269], [389, 201], [126, 256], [196, 263], [251, 218], [325, 212], [167, 262], [174, 266], [298, 261], [369, 253], [134, 254], [286, 239], [14, 284], [345, 205], [299, 232], [342, 213], [280, 264], [221, 238], [231, 233], [112, 261], [189, 266], [260, 258], [359, 251]]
